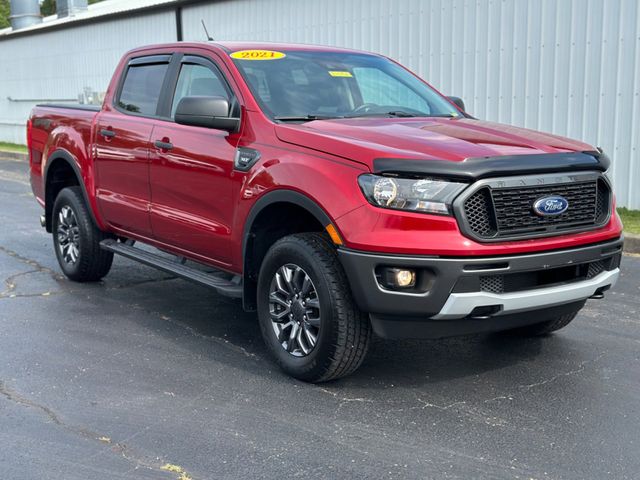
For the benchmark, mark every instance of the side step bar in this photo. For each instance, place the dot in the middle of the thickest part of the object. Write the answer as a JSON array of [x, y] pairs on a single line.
[[224, 287]]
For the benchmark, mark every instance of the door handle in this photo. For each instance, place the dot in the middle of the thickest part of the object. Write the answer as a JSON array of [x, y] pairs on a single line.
[[107, 133], [162, 145]]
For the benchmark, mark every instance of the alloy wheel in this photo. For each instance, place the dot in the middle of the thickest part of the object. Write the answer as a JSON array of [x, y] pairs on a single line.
[[294, 308], [68, 233]]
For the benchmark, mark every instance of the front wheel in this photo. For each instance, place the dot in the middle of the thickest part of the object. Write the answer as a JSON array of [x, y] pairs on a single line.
[[76, 238], [307, 315]]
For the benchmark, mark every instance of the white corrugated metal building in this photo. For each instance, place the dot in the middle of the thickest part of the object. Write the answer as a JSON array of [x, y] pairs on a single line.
[[571, 67]]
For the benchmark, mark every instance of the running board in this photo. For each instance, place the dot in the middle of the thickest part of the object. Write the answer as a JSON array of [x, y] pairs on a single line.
[[228, 288]]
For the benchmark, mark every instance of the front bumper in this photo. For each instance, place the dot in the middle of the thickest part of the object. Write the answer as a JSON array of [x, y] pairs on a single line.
[[451, 294]]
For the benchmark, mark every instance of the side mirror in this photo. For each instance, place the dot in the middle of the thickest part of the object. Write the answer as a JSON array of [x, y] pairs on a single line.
[[208, 112], [457, 101]]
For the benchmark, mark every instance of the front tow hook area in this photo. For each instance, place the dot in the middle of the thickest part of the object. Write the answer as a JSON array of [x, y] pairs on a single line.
[[599, 295], [485, 312]]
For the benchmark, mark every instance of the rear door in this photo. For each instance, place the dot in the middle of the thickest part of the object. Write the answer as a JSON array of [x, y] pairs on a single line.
[[122, 145], [191, 167]]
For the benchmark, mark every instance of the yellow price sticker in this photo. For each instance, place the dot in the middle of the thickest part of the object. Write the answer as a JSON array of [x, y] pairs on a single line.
[[336, 73], [257, 55]]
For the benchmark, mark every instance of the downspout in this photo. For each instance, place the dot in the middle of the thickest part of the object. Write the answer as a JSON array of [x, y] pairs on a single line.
[[179, 24]]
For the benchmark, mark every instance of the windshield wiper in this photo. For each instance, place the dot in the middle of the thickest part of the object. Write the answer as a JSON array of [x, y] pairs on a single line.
[[394, 113], [401, 114], [444, 115], [304, 118]]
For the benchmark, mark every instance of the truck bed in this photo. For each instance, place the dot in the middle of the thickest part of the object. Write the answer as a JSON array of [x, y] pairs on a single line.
[[71, 106], [59, 126]]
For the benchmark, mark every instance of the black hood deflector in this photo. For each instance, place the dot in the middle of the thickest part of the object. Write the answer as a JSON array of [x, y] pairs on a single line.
[[473, 169]]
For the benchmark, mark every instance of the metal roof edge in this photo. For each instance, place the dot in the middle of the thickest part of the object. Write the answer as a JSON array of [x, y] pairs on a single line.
[[80, 21]]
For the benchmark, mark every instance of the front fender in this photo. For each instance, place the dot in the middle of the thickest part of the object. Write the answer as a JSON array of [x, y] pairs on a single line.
[[325, 187]]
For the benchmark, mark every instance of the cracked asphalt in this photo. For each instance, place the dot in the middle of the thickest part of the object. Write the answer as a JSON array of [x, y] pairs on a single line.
[[144, 376]]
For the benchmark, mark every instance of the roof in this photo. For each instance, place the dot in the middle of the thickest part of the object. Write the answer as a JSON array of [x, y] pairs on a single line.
[[234, 46], [96, 11]]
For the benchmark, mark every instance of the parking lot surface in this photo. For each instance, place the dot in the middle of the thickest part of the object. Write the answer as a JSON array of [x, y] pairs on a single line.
[[144, 376]]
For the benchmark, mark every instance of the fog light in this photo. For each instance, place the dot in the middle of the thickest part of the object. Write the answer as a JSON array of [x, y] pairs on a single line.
[[399, 278], [405, 278]]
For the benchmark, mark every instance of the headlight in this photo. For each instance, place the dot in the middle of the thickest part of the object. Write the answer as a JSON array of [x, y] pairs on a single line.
[[414, 194]]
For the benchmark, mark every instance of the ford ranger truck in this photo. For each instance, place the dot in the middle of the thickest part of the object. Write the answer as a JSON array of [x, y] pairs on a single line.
[[332, 191]]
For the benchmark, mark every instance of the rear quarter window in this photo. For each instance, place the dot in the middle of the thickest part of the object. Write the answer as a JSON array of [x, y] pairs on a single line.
[[141, 88]]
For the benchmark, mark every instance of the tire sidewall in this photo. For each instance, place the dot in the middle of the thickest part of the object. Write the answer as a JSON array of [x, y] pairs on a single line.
[[307, 367]]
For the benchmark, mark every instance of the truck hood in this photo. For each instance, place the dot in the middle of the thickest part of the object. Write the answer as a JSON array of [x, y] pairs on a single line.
[[453, 139]]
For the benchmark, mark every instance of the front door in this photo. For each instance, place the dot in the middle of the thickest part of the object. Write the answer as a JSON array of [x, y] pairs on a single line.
[[190, 172], [122, 146]]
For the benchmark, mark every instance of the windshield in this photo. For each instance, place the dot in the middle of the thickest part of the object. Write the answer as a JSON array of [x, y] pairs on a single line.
[[305, 85]]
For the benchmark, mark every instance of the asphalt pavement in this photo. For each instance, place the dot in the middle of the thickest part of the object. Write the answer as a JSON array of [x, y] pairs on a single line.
[[144, 376]]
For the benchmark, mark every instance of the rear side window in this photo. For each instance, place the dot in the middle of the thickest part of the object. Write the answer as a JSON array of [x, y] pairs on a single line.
[[141, 88], [198, 80]]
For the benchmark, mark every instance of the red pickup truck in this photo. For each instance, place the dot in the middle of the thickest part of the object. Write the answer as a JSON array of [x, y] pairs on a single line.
[[333, 191]]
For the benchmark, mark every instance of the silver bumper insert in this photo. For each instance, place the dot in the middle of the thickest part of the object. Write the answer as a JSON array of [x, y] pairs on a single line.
[[460, 305]]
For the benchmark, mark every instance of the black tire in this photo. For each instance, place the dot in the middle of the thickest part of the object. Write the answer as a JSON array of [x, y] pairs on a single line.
[[544, 328], [91, 263], [344, 332]]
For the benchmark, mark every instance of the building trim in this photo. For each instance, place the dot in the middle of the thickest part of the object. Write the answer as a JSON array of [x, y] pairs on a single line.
[[108, 17]]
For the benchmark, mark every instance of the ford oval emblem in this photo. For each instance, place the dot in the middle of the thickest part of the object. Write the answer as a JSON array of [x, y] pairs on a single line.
[[553, 205]]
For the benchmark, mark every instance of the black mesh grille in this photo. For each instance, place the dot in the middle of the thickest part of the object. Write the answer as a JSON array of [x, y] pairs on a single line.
[[479, 212], [595, 268], [518, 281], [508, 212], [602, 202], [492, 283]]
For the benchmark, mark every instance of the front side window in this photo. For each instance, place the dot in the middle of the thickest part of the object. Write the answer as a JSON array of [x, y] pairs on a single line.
[[296, 84], [195, 81], [141, 88]]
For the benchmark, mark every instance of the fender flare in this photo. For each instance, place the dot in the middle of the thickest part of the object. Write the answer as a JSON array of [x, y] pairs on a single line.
[[281, 196], [270, 198], [65, 156]]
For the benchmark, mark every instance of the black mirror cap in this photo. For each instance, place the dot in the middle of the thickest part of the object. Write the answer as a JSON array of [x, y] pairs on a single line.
[[208, 112], [458, 102]]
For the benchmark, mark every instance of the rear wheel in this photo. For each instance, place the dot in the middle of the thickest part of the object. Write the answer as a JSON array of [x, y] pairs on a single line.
[[307, 316], [77, 240]]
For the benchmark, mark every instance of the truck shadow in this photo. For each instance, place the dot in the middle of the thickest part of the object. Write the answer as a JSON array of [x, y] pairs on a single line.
[[415, 362], [406, 362]]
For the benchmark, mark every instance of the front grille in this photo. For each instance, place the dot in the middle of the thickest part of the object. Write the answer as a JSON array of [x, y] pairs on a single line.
[[602, 202], [479, 212], [502, 213]]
